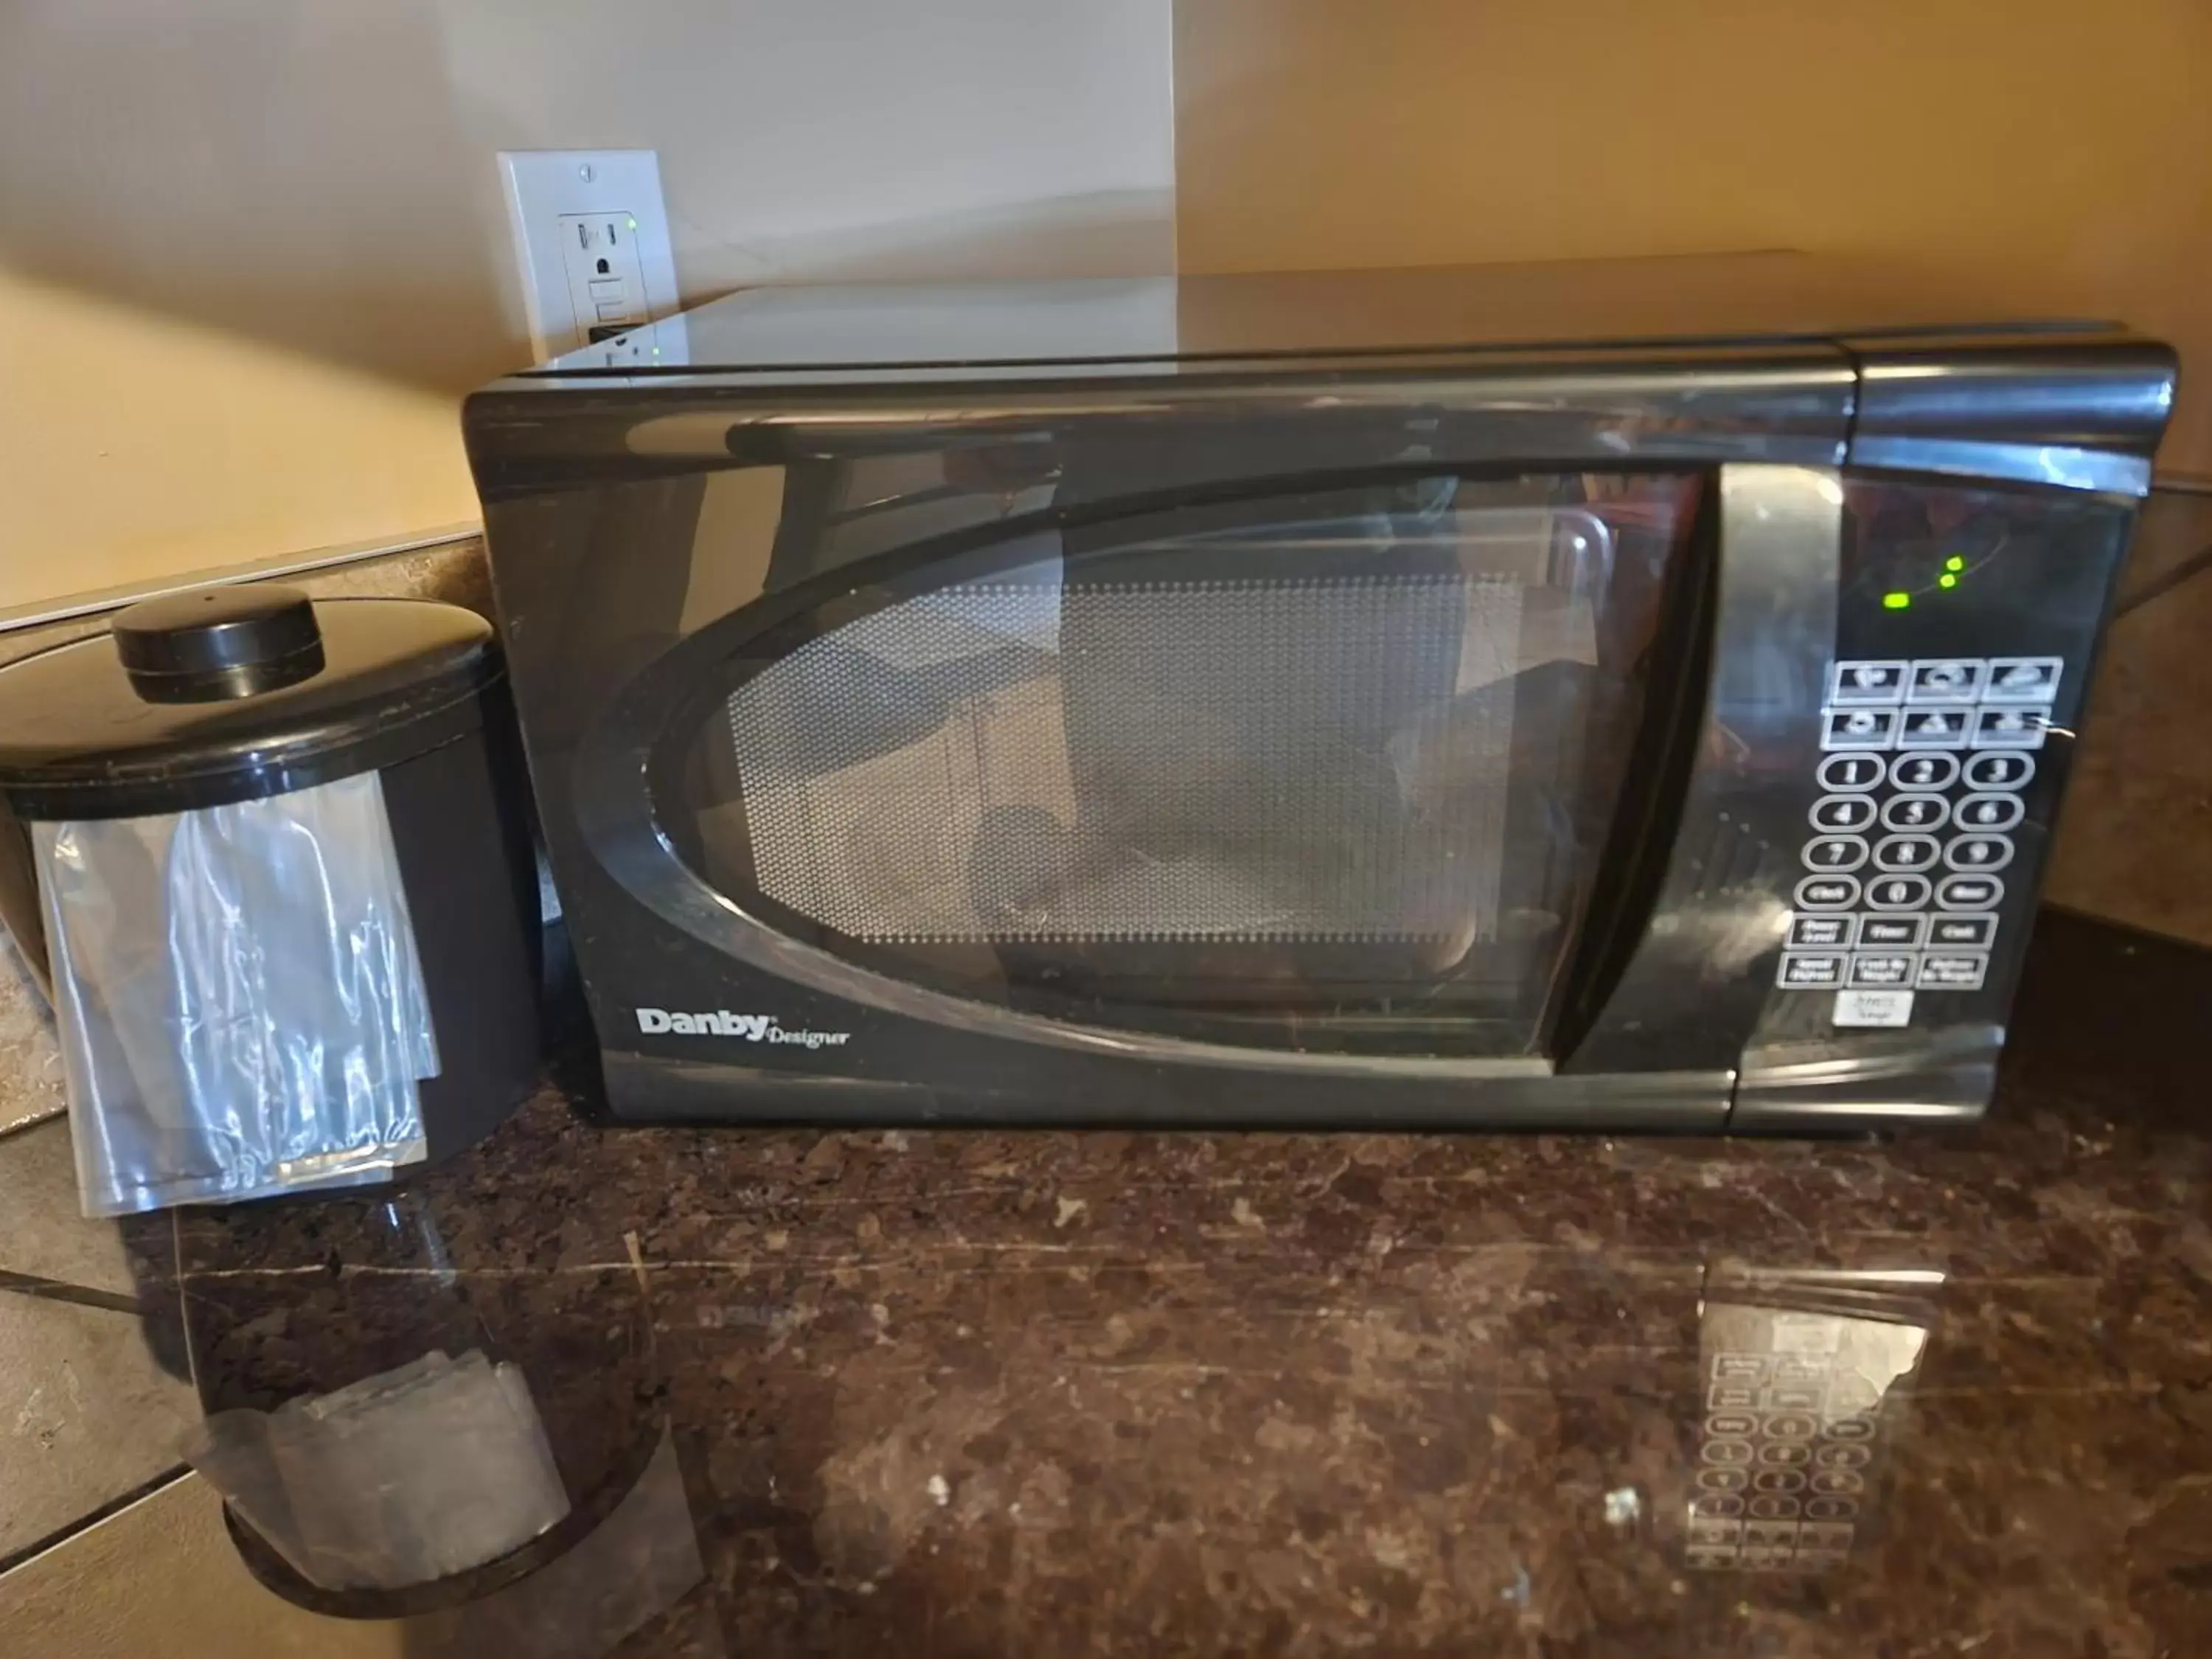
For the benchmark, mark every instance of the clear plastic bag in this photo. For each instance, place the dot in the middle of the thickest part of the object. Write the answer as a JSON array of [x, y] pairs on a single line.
[[241, 1000], [411, 1475]]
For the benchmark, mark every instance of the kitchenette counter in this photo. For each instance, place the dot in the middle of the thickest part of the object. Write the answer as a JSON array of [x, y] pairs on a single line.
[[967, 1393]]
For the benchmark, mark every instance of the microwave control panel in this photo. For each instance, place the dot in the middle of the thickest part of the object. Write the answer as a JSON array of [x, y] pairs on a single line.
[[1921, 784]]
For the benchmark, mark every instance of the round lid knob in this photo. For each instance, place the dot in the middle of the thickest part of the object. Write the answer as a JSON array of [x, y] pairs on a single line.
[[218, 642]]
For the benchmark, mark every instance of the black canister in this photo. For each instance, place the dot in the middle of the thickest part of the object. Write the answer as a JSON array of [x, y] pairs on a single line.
[[236, 694]]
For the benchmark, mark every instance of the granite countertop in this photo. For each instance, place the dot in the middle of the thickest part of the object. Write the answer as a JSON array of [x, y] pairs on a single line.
[[977, 1393]]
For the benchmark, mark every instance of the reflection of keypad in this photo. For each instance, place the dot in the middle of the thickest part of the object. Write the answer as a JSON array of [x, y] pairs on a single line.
[[1921, 765], [1780, 1483]]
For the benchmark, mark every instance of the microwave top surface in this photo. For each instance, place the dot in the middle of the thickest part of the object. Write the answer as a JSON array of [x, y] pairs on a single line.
[[1082, 328]]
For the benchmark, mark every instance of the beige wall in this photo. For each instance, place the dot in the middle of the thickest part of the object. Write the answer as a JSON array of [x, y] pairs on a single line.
[[251, 252], [2050, 154]]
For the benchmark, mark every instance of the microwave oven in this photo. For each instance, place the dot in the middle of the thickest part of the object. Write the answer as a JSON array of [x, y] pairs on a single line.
[[1630, 694]]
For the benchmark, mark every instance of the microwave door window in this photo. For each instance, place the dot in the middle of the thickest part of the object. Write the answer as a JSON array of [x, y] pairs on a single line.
[[1328, 771]]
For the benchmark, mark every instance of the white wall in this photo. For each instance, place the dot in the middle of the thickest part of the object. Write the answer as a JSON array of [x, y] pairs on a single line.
[[2040, 157], [253, 251]]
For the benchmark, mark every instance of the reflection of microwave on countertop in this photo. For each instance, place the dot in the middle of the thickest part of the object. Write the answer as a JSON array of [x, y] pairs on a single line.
[[1625, 693]]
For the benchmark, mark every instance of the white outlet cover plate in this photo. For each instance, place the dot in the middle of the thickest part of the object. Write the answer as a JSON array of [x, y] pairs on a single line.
[[543, 185]]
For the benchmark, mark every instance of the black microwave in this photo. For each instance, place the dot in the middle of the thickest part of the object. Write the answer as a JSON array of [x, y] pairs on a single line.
[[1626, 695]]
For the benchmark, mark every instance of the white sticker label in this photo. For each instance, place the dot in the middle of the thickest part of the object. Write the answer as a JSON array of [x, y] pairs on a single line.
[[1886, 1008]]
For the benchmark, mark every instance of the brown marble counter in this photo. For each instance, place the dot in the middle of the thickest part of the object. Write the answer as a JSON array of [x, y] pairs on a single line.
[[995, 1394]]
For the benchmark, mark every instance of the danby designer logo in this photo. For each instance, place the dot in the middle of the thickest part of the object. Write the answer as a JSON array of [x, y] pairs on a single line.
[[721, 1022]]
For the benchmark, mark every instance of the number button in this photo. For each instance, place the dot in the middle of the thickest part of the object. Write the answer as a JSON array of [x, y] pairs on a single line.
[[1839, 815], [1835, 853], [1907, 853], [1850, 772], [1999, 771], [1979, 853], [1896, 892], [1988, 812], [1915, 812], [1923, 771]]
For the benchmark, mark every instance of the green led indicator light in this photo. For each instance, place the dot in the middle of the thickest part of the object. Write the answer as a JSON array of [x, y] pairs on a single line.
[[1947, 580], [1895, 601], [1953, 564]]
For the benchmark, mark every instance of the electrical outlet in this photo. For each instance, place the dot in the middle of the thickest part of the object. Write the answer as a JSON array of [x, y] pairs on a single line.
[[606, 278], [591, 242]]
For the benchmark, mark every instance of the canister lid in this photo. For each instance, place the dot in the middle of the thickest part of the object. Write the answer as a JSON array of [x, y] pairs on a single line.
[[219, 642], [229, 694]]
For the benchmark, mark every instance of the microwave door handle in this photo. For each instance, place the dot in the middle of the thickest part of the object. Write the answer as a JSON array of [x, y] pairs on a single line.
[[1704, 937]]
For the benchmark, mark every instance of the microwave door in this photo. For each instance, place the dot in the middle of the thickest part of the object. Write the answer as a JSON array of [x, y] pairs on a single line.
[[1313, 780], [1677, 964]]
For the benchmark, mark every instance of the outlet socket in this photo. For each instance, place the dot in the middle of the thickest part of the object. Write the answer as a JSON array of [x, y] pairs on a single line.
[[590, 243]]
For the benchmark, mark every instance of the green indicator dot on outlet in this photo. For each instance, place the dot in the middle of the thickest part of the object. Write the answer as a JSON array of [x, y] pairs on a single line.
[[1895, 601], [1947, 580], [1954, 563]]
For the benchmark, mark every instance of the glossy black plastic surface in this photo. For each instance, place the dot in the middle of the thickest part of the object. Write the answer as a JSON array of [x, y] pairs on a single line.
[[1324, 770], [660, 534], [1205, 322], [80, 739], [460, 830], [219, 642], [1935, 576]]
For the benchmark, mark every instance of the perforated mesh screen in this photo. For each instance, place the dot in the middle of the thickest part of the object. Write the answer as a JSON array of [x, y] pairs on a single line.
[[1266, 761]]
